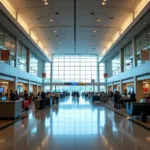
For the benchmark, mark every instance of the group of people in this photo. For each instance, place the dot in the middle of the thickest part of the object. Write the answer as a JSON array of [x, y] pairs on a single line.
[[116, 97], [15, 96]]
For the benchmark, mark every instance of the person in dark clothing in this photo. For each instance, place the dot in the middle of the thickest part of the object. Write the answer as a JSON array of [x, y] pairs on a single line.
[[12, 95], [133, 96], [43, 95], [16, 95], [115, 99], [25, 95]]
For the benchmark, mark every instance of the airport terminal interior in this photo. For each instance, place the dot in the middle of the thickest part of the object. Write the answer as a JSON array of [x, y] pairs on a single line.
[[74, 74]]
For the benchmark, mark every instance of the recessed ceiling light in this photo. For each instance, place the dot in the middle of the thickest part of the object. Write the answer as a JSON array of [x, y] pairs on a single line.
[[59, 43], [105, 0], [98, 20], [51, 20], [94, 31], [90, 43], [55, 31], [1, 33], [103, 3], [46, 3], [45, 0]]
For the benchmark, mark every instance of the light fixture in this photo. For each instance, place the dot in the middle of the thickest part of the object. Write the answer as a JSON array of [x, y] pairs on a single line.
[[59, 43], [45, 0], [103, 3], [90, 43], [98, 20], [55, 31], [46, 3], [1, 33], [105, 0], [94, 31], [51, 20]]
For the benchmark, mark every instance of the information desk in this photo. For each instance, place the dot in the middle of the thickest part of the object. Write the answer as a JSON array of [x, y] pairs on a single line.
[[10, 109], [40, 104]]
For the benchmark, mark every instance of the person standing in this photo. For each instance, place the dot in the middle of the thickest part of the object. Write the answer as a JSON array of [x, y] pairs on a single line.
[[133, 96], [43, 95], [12, 95], [25, 95], [115, 99]]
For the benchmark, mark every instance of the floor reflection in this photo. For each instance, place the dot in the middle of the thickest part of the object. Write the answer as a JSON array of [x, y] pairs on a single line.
[[75, 124]]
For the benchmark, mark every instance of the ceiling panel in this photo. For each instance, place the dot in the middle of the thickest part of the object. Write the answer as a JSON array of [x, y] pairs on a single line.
[[61, 30]]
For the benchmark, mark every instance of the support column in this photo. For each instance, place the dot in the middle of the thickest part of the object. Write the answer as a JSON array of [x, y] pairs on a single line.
[[28, 87], [98, 80], [121, 92], [51, 76], [138, 89], [112, 87], [43, 71], [16, 83], [16, 53], [28, 60], [121, 60], [134, 52], [37, 88]]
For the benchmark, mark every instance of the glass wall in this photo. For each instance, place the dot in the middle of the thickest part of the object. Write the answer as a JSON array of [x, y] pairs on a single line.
[[101, 72], [75, 88], [48, 73], [74, 68], [33, 64], [116, 65], [102, 88], [8, 42], [22, 57], [142, 43], [128, 56]]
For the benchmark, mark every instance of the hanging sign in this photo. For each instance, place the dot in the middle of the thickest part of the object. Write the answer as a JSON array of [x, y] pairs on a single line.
[[105, 75], [43, 75], [5, 55], [144, 55]]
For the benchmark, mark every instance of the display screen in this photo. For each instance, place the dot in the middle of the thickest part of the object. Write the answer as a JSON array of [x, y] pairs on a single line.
[[1, 90]]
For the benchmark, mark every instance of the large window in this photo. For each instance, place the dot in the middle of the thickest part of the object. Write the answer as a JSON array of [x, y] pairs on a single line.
[[74, 68], [101, 72], [142, 43], [22, 57], [116, 65], [8, 42], [33, 64], [128, 57], [48, 73]]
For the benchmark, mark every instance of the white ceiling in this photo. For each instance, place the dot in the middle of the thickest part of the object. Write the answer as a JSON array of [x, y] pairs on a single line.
[[38, 16]]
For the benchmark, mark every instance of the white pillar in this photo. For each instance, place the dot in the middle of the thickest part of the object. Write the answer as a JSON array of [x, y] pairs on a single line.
[[98, 80], [121, 92], [29, 87], [51, 76]]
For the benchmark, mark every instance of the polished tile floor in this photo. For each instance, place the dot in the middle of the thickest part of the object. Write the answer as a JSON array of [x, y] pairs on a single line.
[[75, 125]]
